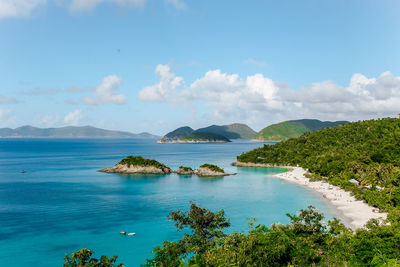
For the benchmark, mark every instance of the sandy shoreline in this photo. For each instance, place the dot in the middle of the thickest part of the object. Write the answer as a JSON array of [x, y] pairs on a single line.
[[357, 211]]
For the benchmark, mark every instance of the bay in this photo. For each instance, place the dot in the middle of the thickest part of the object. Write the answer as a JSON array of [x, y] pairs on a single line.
[[62, 204]]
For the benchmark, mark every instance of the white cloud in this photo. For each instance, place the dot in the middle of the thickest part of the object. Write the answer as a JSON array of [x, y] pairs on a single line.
[[164, 91], [105, 92], [178, 4], [258, 99], [73, 117], [89, 5], [18, 8], [7, 100]]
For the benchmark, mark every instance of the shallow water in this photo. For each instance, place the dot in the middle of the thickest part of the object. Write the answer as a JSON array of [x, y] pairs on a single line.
[[62, 204]]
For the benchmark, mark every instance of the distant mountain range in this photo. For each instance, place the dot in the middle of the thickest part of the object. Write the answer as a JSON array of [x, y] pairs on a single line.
[[291, 129], [69, 132], [222, 133]]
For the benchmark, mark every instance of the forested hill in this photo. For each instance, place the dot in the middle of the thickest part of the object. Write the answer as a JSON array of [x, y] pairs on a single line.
[[231, 131], [366, 151], [295, 128]]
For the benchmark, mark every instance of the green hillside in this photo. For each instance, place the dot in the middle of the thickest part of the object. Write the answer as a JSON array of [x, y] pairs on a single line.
[[367, 151], [180, 132], [291, 129], [231, 131], [204, 137]]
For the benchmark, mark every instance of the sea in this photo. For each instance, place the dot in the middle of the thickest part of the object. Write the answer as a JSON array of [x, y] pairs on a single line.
[[61, 203]]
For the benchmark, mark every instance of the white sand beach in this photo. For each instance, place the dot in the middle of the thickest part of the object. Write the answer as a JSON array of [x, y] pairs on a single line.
[[357, 211]]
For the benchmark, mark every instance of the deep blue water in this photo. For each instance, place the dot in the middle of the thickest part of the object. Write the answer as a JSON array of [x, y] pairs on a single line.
[[62, 204]]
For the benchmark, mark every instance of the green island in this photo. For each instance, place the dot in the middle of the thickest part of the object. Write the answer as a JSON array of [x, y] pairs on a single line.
[[138, 165], [214, 168], [140, 161]]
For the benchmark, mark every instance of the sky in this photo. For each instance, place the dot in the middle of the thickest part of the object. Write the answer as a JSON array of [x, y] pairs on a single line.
[[155, 65]]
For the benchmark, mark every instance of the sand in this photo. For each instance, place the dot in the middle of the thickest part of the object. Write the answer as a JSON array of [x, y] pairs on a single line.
[[358, 212]]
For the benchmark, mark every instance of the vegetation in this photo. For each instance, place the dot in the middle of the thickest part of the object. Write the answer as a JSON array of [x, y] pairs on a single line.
[[212, 167], [140, 161], [305, 241], [205, 137], [186, 169], [292, 129], [83, 258], [180, 132], [367, 151], [231, 131]]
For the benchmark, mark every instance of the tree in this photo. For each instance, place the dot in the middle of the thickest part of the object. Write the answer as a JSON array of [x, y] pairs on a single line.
[[82, 258]]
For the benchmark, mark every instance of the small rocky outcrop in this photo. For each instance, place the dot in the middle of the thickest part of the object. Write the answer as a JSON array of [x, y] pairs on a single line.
[[138, 165], [124, 169], [184, 171], [209, 170]]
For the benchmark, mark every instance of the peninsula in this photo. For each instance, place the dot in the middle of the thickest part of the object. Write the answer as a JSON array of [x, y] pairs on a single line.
[[352, 165]]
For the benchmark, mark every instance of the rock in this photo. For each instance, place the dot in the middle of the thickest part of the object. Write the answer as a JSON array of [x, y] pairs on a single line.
[[206, 172], [124, 169]]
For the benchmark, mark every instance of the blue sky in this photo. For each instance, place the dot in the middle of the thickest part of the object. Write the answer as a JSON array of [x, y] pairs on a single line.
[[154, 65]]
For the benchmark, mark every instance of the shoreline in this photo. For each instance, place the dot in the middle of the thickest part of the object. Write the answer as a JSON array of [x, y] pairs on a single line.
[[356, 211]]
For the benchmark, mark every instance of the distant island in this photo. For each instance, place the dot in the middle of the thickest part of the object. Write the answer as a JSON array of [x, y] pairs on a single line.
[[292, 129], [140, 165], [69, 132], [210, 134]]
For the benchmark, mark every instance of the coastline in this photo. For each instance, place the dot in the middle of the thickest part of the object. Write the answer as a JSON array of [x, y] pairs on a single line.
[[357, 211]]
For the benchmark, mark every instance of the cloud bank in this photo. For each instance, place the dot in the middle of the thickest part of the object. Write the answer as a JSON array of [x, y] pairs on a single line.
[[256, 98]]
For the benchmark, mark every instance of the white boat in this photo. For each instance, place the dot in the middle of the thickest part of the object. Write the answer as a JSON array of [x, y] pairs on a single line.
[[131, 233], [122, 233]]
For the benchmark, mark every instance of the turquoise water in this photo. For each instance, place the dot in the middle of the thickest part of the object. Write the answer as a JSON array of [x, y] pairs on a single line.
[[62, 204]]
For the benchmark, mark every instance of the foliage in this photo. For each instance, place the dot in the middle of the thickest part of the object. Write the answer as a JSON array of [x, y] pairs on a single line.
[[186, 169], [83, 258], [291, 129], [140, 161], [305, 241], [212, 167], [203, 136], [367, 151], [205, 226]]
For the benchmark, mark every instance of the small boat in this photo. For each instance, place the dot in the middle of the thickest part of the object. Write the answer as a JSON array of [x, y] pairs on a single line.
[[23, 171], [131, 233], [122, 233]]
